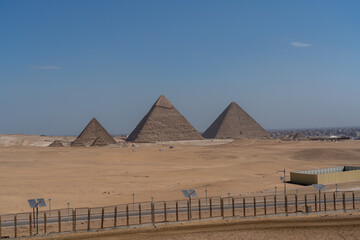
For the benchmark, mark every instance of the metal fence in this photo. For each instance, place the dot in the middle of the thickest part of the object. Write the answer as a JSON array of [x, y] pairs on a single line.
[[86, 219]]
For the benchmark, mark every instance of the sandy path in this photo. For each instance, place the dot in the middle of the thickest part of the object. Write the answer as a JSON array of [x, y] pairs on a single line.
[[334, 227]]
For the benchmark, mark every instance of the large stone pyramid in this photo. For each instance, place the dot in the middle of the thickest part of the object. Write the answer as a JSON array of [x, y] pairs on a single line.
[[234, 122], [92, 133], [163, 123]]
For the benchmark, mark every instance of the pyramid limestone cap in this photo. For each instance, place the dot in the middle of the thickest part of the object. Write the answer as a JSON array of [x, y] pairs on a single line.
[[163, 102]]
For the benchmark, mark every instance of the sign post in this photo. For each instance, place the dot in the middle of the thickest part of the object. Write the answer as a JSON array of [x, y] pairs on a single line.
[[319, 187], [40, 202], [188, 194]]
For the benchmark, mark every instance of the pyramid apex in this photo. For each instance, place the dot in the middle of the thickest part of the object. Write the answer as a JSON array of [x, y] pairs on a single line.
[[163, 102]]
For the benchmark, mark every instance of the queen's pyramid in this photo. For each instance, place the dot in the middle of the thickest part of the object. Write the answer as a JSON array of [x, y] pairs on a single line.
[[92, 133], [234, 122], [99, 142], [163, 123], [56, 143]]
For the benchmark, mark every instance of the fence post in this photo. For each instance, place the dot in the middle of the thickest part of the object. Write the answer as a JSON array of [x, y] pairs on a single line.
[[334, 200], [254, 206], [45, 223], [315, 202], [325, 202], [59, 219], [210, 202], [199, 209], [139, 213], [152, 213], [286, 205], [15, 226], [296, 203], [244, 208], [275, 204], [165, 213], [222, 207], [89, 219], [177, 211], [353, 198], [127, 215], [30, 225], [233, 207], [102, 218], [265, 205], [115, 216], [188, 209], [344, 206], [74, 220]]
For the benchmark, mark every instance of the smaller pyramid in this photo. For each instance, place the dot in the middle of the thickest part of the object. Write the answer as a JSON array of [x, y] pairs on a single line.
[[234, 122], [99, 142], [77, 143], [56, 143], [163, 123], [91, 133]]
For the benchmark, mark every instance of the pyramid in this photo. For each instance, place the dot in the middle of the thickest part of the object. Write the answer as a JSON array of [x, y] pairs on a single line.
[[234, 122], [90, 134], [99, 142], [56, 143], [163, 123], [77, 143]]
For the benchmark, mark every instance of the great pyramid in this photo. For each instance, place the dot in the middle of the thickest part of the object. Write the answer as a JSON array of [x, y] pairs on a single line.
[[56, 143], [163, 123], [234, 122], [92, 132]]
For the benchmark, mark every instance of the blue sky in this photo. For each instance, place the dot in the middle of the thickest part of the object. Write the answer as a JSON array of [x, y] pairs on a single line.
[[289, 64]]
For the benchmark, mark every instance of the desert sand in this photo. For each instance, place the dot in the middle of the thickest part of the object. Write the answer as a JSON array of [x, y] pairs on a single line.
[[95, 176]]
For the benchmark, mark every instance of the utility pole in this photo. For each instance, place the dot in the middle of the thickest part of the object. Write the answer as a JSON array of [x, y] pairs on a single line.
[[206, 196], [49, 206], [133, 195], [336, 191], [283, 179], [68, 204]]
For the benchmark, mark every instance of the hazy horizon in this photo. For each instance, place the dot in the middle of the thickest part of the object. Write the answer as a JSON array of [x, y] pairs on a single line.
[[290, 65]]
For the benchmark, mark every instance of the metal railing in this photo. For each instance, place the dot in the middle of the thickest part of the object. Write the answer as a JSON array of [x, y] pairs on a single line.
[[125, 215]]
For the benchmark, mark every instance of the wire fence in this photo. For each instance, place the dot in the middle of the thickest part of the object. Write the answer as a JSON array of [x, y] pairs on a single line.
[[125, 215]]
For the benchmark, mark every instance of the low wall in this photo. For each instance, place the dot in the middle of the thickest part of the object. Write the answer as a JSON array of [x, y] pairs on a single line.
[[302, 178], [325, 178], [337, 177]]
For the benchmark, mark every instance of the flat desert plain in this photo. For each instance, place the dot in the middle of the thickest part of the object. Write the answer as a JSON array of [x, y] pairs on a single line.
[[94, 176]]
